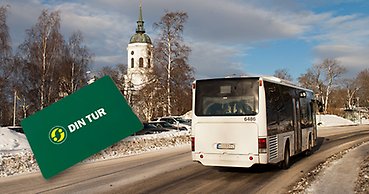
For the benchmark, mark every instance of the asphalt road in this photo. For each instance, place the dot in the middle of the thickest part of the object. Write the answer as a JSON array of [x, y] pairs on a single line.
[[172, 171]]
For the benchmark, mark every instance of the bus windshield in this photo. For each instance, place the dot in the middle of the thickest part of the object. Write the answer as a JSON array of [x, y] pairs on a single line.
[[227, 97]]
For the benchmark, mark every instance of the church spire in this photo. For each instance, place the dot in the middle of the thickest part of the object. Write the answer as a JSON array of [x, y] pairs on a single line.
[[140, 36], [140, 23]]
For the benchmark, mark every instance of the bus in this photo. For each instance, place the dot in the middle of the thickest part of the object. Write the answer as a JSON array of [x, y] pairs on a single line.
[[242, 121]]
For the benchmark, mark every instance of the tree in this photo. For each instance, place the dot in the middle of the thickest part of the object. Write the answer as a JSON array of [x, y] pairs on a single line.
[[116, 73], [362, 80], [122, 69], [312, 80], [171, 58], [321, 78], [151, 99], [48, 67], [5, 44], [6, 90], [283, 74], [332, 71], [351, 88], [74, 64], [42, 52]]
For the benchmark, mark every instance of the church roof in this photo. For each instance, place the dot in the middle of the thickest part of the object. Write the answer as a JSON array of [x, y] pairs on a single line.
[[140, 36]]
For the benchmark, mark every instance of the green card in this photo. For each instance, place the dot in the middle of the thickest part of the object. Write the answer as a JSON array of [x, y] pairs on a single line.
[[79, 125]]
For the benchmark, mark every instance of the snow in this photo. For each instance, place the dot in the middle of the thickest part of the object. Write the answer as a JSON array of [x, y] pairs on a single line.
[[188, 115], [334, 120], [338, 177], [17, 142], [169, 134], [16, 156], [12, 141]]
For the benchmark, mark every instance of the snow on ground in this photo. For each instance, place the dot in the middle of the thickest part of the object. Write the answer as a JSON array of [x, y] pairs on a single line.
[[16, 156], [169, 134], [332, 120], [188, 115], [12, 141]]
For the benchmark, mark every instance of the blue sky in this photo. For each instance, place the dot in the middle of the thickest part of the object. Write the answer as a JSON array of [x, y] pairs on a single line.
[[226, 36]]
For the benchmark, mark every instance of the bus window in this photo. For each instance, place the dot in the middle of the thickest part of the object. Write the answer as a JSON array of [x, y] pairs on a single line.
[[234, 97], [279, 107], [306, 113], [273, 105]]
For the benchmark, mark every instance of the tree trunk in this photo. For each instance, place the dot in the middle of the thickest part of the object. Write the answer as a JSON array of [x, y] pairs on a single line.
[[72, 89], [169, 105], [43, 74]]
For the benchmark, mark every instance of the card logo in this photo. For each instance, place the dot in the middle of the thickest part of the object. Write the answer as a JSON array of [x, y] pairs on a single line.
[[57, 135], [79, 125]]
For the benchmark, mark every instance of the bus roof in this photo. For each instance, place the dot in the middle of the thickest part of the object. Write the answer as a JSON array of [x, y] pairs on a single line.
[[264, 78]]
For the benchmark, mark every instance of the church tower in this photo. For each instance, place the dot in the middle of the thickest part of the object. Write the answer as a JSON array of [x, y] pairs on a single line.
[[140, 57]]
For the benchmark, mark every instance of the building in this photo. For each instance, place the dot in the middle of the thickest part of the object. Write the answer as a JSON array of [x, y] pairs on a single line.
[[140, 59]]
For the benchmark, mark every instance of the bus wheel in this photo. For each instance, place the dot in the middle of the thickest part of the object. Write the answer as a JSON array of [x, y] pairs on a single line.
[[286, 163]]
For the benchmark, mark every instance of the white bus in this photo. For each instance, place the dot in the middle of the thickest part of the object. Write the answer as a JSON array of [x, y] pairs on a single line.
[[242, 121]]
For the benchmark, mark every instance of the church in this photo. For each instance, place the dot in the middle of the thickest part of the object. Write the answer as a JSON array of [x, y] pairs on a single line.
[[140, 59]]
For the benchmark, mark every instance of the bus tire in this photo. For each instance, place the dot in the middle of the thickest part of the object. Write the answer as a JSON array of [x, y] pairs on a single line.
[[286, 163]]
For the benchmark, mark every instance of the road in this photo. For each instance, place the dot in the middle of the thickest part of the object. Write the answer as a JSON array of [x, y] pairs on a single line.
[[172, 171]]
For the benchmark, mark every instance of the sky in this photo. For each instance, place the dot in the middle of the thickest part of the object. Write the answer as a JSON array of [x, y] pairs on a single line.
[[253, 37]]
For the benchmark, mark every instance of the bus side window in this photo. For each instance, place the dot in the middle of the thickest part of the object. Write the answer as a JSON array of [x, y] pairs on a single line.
[[306, 112], [286, 113], [271, 95]]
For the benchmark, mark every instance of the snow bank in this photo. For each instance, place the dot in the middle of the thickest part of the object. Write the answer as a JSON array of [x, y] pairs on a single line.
[[332, 120], [188, 115], [13, 163], [12, 141], [168, 134], [14, 160], [142, 143]]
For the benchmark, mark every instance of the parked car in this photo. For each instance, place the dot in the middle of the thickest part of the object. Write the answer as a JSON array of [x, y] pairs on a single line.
[[150, 129], [18, 129], [176, 121], [166, 125]]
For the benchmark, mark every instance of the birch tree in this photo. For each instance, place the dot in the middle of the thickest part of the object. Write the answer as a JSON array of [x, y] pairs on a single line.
[[351, 87], [6, 90], [171, 54], [321, 78], [76, 58], [42, 52], [332, 71], [48, 66]]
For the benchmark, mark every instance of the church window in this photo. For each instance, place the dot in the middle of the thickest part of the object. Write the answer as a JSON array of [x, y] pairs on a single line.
[[148, 63], [132, 52], [132, 63], [141, 62]]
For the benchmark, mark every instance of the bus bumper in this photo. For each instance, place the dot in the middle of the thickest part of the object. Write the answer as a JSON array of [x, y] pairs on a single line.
[[230, 160]]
